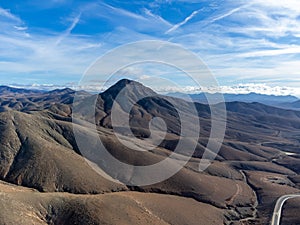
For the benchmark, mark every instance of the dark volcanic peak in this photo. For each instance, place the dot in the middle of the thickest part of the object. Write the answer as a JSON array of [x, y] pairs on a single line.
[[125, 81], [133, 88]]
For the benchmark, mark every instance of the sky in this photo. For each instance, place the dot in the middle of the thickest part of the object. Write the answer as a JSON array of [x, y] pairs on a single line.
[[249, 46]]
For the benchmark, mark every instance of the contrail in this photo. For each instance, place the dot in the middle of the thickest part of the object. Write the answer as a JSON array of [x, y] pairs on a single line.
[[176, 26], [69, 30]]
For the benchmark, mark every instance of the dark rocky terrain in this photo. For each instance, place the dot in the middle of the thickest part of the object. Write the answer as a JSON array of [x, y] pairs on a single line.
[[46, 180]]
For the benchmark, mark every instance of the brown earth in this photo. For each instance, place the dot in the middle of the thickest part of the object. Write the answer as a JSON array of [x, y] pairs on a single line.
[[258, 162]]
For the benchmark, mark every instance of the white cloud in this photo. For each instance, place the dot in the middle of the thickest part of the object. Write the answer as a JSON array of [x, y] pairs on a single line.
[[293, 5], [144, 77], [256, 41], [20, 28], [141, 22], [6, 13], [121, 11], [40, 54], [156, 17], [274, 52], [259, 88]]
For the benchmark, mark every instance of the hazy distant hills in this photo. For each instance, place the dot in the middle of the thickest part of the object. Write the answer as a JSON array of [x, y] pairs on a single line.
[[258, 161], [291, 105], [5, 90], [287, 101]]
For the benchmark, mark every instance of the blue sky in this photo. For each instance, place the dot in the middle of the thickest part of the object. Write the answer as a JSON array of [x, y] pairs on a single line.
[[248, 45]]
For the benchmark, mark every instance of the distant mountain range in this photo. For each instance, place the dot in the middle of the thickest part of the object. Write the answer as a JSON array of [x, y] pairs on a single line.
[[287, 101], [6, 90]]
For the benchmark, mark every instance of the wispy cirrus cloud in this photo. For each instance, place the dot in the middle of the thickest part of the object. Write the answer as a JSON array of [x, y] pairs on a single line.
[[120, 11], [273, 52], [257, 40], [38, 57], [157, 17], [7, 14]]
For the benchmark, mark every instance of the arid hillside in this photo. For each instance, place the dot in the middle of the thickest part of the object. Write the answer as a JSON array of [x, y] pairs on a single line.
[[47, 179]]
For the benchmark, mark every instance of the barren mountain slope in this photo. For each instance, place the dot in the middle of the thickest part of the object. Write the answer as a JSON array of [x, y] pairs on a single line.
[[38, 150]]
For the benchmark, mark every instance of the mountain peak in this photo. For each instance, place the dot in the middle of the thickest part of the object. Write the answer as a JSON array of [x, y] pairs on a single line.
[[125, 81], [61, 91], [133, 88]]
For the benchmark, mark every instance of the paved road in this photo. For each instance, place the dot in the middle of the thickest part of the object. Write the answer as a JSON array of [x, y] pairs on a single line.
[[278, 207]]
